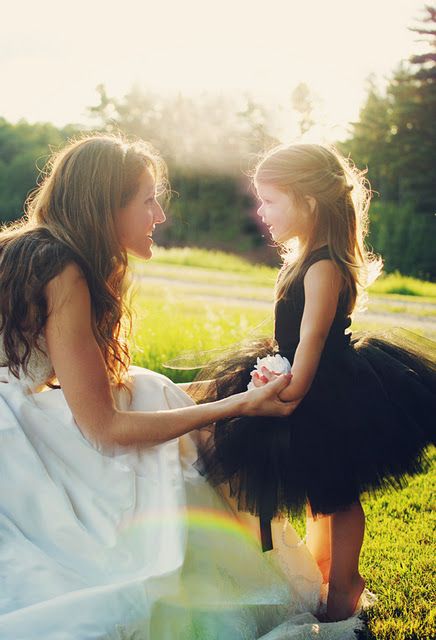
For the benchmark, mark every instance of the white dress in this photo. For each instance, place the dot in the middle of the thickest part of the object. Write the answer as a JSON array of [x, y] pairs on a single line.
[[132, 543]]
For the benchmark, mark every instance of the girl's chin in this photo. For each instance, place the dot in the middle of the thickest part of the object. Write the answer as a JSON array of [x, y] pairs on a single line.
[[280, 239]]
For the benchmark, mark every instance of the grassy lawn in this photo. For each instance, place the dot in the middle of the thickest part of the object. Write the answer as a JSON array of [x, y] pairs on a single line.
[[197, 301], [398, 560]]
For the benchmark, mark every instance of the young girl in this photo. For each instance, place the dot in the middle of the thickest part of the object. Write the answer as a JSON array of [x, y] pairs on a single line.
[[97, 483], [363, 408]]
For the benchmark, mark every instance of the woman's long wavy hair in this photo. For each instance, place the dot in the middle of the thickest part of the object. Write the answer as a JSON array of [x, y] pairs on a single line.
[[71, 217], [340, 217]]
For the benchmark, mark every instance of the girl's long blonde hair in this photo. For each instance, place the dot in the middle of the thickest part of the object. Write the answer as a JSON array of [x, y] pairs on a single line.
[[340, 217], [71, 217]]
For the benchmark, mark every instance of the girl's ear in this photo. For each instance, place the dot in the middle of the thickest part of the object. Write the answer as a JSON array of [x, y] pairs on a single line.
[[311, 202]]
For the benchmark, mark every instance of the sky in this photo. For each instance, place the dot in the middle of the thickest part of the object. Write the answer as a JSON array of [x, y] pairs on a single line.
[[53, 54]]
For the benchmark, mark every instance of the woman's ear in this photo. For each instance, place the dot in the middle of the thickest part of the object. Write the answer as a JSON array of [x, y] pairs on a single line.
[[311, 202]]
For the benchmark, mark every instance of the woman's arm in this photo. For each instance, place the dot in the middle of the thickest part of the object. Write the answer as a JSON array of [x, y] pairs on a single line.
[[322, 284], [199, 388], [81, 371]]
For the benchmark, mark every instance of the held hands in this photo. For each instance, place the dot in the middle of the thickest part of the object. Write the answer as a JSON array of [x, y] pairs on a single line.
[[262, 378], [271, 365], [264, 400], [267, 370]]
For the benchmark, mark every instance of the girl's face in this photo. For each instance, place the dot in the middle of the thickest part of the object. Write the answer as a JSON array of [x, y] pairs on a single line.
[[136, 221], [282, 215]]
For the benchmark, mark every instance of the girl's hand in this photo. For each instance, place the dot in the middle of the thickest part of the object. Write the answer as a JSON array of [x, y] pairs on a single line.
[[267, 376], [261, 379], [265, 401]]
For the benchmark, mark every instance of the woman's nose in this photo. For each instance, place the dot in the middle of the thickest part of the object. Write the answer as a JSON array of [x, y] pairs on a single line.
[[260, 211]]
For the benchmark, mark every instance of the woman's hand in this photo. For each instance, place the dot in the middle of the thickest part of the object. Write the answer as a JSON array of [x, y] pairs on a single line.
[[264, 399]]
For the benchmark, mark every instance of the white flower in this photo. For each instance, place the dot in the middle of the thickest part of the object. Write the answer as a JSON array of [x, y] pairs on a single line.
[[276, 364]]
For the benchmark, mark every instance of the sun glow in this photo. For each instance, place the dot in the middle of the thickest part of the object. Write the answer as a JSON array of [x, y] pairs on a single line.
[[51, 63]]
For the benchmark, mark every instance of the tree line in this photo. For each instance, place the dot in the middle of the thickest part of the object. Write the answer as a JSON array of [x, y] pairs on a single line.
[[395, 138]]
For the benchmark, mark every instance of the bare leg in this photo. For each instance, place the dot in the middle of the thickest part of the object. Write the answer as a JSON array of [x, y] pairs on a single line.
[[318, 541], [346, 583]]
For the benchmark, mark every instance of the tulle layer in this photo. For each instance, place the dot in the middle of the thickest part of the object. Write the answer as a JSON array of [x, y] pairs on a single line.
[[363, 426]]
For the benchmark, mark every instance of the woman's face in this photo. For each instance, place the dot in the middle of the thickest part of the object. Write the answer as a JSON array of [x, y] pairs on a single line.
[[136, 221], [281, 213]]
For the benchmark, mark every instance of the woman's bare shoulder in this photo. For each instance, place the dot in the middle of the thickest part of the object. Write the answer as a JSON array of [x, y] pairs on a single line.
[[69, 284]]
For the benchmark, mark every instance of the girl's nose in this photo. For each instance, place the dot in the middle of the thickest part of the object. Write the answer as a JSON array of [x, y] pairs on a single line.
[[159, 215], [260, 211]]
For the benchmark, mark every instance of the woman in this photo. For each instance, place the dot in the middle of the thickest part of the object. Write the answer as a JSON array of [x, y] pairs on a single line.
[[106, 528]]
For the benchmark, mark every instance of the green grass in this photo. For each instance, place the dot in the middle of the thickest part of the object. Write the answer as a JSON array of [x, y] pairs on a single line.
[[404, 285], [169, 326], [398, 560], [398, 554]]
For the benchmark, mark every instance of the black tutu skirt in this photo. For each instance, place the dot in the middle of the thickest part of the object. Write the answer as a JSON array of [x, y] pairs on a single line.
[[363, 426]]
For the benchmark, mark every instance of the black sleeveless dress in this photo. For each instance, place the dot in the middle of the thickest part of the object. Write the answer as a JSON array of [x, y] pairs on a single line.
[[363, 425]]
